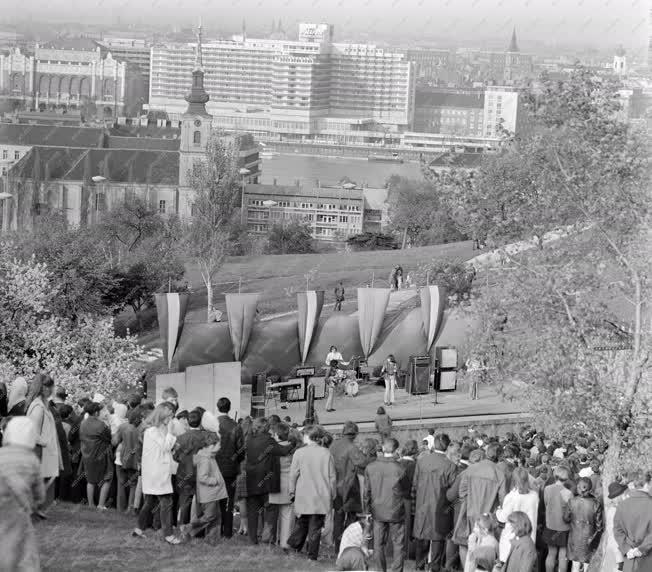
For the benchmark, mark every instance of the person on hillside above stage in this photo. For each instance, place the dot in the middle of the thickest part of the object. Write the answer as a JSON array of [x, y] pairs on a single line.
[[335, 355], [339, 296], [390, 369]]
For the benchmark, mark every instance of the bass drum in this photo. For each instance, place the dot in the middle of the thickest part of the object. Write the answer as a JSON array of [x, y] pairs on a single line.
[[351, 388]]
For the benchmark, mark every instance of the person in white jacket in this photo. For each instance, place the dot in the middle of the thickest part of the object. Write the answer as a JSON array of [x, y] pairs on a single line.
[[156, 471], [522, 498]]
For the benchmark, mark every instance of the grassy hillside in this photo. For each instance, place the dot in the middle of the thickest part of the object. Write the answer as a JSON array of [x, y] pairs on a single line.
[[279, 277]]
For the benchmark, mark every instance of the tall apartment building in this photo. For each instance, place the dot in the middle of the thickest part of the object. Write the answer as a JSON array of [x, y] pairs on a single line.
[[136, 52], [296, 90], [502, 109]]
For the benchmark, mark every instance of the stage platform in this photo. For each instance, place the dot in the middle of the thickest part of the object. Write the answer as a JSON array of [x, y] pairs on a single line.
[[412, 408]]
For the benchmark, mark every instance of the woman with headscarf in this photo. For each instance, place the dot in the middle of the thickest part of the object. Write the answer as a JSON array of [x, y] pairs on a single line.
[[21, 492], [17, 394], [47, 441], [96, 451]]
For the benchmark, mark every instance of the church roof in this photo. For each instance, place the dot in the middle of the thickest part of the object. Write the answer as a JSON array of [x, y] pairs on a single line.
[[116, 165], [50, 135]]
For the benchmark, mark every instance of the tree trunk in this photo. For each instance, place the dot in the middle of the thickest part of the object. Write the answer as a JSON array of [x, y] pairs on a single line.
[[404, 239], [209, 300]]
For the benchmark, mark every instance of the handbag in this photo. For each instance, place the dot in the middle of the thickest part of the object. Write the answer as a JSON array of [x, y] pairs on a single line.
[[38, 448]]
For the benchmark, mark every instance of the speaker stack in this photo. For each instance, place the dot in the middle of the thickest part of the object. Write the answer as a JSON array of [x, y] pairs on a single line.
[[258, 395], [418, 380], [446, 373]]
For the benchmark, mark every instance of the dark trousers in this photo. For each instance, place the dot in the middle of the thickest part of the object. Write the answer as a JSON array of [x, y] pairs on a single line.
[[226, 508], [270, 527], [162, 503], [255, 508], [126, 481], [185, 504], [208, 522], [341, 520], [307, 527], [338, 305], [438, 551], [453, 556], [384, 531]]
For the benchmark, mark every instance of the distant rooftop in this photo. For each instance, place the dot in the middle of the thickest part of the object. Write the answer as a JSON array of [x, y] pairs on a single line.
[[435, 98], [311, 192], [79, 44], [50, 135], [144, 143]]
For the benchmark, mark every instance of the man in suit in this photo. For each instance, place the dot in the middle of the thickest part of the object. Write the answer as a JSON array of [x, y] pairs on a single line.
[[433, 518], [229, 457], [386, 488], [348, 461]]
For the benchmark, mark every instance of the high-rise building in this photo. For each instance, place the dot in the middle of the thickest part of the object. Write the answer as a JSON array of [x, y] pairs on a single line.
[[136, 52], [290, 89]]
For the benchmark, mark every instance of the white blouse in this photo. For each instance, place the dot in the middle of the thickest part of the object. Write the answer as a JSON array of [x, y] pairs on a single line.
[[157, 464]]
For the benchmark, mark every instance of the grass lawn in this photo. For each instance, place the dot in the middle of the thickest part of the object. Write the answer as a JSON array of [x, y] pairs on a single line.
[[279, 277], [77, 538]]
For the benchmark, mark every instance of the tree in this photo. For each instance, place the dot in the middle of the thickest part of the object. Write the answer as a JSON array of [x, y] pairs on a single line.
[[548, 311], [292, 238], [217, 196], [84, 355], [456, 277], [417, 213]]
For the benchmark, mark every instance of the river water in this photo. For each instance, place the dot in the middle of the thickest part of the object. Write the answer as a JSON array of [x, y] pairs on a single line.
[[287, 168]]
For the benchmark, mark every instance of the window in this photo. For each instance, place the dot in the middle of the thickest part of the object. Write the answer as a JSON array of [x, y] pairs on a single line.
[[100, 203], [16, 155], [4, 170], [5, 154], [161, 207], [196, 138]]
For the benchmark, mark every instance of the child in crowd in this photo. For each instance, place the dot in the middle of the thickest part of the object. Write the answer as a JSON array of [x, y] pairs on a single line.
[[482, 544], [383, 424], [211, 489]]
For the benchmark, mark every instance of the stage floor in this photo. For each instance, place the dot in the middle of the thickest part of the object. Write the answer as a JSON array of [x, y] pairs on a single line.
[[363, 407]]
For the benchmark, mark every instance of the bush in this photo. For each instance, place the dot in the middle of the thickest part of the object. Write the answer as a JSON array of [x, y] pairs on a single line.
[[292, 238], [455, 277], [372, 241]]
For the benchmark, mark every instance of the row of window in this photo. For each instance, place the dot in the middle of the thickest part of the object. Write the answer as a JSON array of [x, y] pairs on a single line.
[[5, 155]]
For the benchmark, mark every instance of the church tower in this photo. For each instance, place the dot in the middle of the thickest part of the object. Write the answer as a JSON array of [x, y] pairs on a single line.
[[196, 121]]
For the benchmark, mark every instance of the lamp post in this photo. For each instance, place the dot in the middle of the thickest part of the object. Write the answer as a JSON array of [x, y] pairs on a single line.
[[243, 173]]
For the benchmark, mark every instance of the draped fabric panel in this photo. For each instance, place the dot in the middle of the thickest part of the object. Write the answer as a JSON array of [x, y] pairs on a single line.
[[372, 304], [309, 305], [241, 312], [171, 309], [433, 301]]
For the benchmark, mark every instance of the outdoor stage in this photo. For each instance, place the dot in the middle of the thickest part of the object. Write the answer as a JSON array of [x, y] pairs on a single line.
[[411, 408]]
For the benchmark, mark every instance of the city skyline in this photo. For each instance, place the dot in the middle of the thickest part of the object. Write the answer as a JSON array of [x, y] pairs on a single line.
[[581, 22]]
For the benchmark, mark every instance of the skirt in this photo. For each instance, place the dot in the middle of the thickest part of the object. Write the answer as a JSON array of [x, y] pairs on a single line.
[[557, 538]]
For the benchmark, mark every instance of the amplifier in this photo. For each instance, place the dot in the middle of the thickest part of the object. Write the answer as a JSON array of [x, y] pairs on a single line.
[[319, 383], [419, 375], [258, 395], [305, 371], [446, 380], [447, 357], [296, 388]]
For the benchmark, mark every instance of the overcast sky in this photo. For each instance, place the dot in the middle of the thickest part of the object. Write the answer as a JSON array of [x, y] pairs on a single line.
[[599, 22]]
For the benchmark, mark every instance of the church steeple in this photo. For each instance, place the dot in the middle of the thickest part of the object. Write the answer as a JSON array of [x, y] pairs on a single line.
[[197, 97], [513, 46]]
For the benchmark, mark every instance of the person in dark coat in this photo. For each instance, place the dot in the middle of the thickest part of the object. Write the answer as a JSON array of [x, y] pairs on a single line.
[[97, 454], [383, 423], [386, 488], [187, 446], [586, 524], [408, 460], [633, 526], [65, 472], [349, 461], [454, 453], [229, 457], [263, 471], [4, 399], [339, 296], [523, 555], [129, 438], [433, 517]]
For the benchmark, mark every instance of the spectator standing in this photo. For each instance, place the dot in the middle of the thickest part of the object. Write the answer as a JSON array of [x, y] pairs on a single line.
[[408, 460], [386, 488], [482, 544], [47, 442], [523, 554], [633, 525], [522, 498], [586, 525], [280, 513], [16, 404], [339, 296], [433, 517], [555, 534], [186, 447], [156, 471], [349, 461], [96, 451], [383, 424], [613, 559], [263, 472], [312, 488], [21, 493], [130, 454]]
